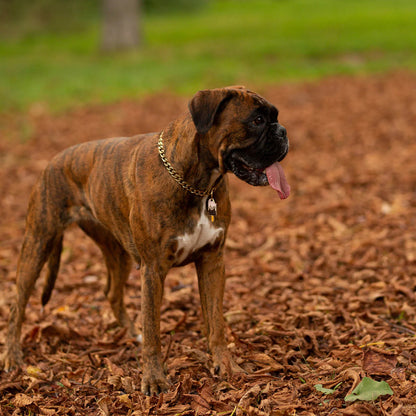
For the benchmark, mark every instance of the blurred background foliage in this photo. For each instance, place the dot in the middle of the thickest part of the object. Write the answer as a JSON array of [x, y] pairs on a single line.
[[50, 49], [20, 18]]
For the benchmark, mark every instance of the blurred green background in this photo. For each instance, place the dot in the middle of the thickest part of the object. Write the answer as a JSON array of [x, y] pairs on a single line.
[[50, 49]]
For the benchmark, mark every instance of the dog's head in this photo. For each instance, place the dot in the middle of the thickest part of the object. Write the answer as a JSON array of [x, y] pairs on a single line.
[[243, 134]]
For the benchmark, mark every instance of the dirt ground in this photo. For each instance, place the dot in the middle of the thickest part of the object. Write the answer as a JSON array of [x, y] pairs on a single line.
[[321, 287]]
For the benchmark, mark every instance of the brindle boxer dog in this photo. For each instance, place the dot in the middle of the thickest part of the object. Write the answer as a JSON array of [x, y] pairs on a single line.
[[160, 200]]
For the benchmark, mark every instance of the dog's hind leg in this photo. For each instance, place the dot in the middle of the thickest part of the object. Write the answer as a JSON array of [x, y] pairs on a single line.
[[36, 249], [119, 264]]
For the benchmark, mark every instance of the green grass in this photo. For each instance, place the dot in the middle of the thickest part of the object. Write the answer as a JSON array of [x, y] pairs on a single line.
[[231, 42]]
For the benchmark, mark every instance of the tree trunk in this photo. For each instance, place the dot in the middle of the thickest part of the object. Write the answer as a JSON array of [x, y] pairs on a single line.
[[121, 24]]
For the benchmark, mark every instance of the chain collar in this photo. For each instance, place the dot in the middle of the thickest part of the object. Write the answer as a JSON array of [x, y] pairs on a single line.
[[175, 175]]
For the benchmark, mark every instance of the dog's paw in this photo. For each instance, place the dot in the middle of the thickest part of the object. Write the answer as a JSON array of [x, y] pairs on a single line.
[[11, 359], [225, 366], [154, 384]]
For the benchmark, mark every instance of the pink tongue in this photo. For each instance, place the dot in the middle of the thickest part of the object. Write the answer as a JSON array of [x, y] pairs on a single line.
[[277, 180]]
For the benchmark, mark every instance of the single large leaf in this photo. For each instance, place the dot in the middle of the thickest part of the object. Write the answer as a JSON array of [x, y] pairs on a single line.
[[369, 389]]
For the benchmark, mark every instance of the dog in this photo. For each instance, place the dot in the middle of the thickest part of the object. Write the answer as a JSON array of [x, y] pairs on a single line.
[[160, 200]]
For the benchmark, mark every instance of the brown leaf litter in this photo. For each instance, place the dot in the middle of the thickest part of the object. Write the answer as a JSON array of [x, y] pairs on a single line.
[[321, 288]]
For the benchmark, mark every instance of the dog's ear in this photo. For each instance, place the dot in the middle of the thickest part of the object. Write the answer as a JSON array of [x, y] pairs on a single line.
[[206, 104], [237, 87]]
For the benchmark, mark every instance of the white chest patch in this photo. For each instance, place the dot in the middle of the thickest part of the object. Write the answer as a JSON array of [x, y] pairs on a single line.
[[204, 233]]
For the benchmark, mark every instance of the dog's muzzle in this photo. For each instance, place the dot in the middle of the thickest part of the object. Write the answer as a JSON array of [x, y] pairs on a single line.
[[258, 164]]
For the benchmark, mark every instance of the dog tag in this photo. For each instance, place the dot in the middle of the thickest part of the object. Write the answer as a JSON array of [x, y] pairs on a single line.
[[212, 208]]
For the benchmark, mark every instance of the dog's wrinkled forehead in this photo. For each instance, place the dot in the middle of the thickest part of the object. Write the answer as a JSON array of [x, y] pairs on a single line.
[[249, 102], [206, 105], [249, 97]]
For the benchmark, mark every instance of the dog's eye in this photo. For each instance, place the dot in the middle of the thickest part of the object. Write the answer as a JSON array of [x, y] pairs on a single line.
[[258, 120]]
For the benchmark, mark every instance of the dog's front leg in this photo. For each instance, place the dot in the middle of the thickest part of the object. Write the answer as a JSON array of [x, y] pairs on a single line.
[[154, 379], [211, 280]]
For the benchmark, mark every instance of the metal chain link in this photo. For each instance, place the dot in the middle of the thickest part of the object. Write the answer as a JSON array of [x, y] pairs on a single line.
[[175, 175]]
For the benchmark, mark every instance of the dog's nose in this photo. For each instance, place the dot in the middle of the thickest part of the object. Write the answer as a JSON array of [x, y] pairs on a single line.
[[281, 131]]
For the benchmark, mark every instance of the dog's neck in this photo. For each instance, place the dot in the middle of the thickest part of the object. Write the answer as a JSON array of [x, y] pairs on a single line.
[[192, 159]]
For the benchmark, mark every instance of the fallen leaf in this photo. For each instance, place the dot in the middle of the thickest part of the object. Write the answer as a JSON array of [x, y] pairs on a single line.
[[378, 362], [369, 390], [21, 400]]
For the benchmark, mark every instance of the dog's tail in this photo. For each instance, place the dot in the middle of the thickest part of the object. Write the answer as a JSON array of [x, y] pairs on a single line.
[[53, 268]]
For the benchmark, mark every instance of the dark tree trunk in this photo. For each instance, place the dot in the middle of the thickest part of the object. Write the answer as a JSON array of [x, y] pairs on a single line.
[[121, 24]]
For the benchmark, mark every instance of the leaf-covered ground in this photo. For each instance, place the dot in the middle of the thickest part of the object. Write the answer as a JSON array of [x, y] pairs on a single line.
[[321, 287]]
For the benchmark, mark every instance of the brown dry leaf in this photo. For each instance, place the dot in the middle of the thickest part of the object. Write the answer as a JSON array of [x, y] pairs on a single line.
[[347, 375], [360, 409], [115, 381], [35, 372], [234, 317], [66, 382], [47, 411], [50, 330], [103, 404], [127, 384], [206, 392], [113, 368], [13, 386], [21, 400], [379, 362], [178, 409], [249, 396], [198, 403], [265, 360], [126, 400]]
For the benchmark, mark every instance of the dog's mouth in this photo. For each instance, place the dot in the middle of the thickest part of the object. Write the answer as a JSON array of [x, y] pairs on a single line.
[[256, 175]]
